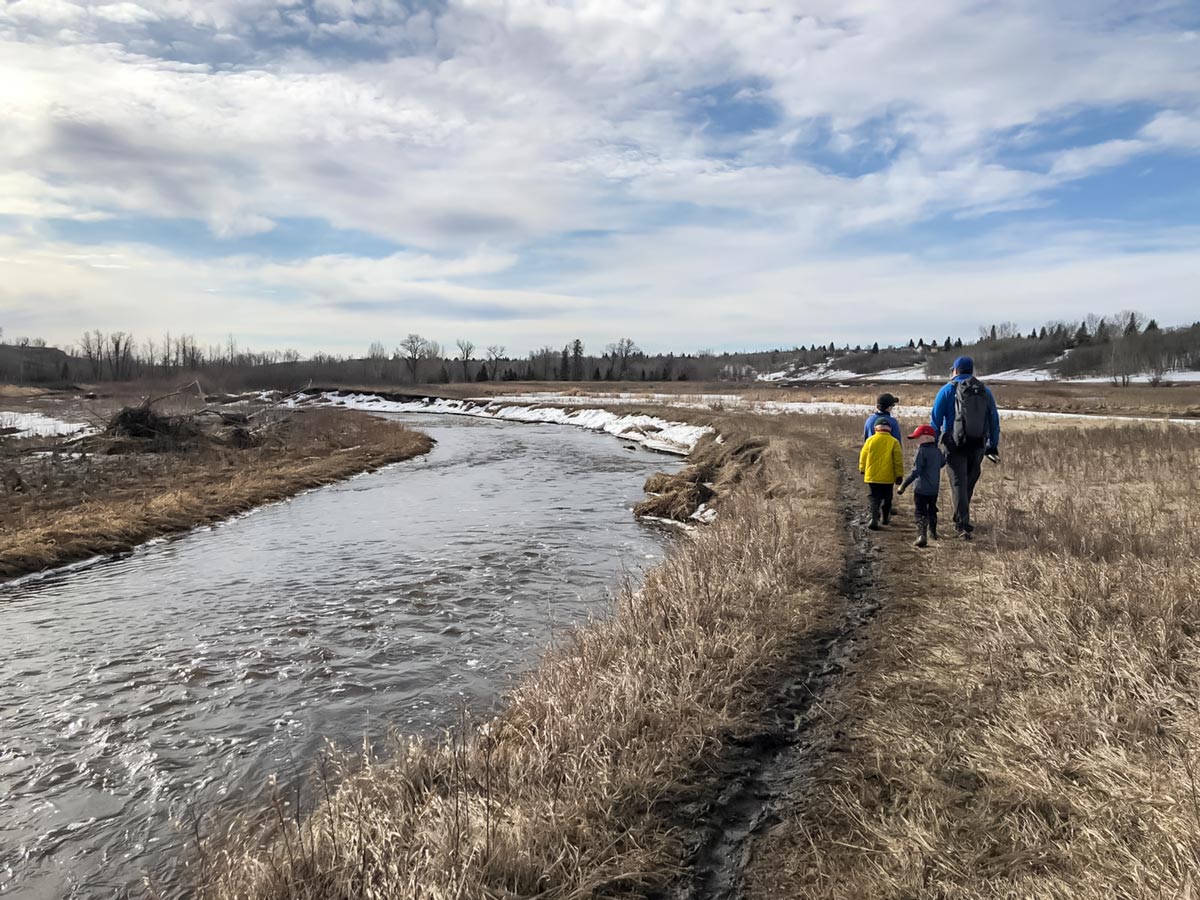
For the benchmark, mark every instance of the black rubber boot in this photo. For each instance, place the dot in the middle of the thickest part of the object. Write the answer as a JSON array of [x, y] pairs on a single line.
[[933, 535], [874, 524], [921, 540]]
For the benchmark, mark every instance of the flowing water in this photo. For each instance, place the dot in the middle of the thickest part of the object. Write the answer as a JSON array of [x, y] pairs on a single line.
[[141, 690]]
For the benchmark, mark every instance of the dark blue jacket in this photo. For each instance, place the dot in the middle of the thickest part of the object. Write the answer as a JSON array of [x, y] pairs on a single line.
[[942, 418], [869, 428], [926, 470]]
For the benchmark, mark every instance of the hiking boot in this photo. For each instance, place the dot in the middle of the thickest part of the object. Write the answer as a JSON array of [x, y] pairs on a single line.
[[963, 534], [921, 534]]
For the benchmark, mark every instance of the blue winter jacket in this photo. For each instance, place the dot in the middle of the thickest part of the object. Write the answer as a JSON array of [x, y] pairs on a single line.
[[869, 428], [942, 418], [926, 470]]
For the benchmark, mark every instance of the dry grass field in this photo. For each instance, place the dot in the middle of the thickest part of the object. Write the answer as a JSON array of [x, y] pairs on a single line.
[[71, 506], [1023, 720]]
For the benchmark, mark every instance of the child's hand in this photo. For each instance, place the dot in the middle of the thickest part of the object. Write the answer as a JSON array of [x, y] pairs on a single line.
[[899, 481], [901, 491]]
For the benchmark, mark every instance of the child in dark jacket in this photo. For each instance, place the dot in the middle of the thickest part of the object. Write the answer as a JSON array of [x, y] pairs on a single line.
[[927, 473]]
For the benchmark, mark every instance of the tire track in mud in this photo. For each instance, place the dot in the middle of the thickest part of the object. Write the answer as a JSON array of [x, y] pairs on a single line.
[[760, 776]]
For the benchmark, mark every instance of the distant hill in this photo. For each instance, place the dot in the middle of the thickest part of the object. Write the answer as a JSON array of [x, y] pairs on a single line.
[[32, 365]]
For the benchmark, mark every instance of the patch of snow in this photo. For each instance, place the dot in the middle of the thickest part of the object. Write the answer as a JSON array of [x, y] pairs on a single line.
[[36, 424], [649, 431], [827, 371]]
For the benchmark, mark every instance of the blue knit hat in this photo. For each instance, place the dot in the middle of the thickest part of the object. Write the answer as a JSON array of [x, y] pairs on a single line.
[[964, 365]]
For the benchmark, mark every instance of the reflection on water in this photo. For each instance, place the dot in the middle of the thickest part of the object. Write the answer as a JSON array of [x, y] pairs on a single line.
[[136, 690]]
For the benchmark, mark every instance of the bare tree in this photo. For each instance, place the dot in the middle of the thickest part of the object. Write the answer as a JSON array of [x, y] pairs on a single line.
[[495, 353], [377, 356], [92, 345], [465, 349], [412, 350], [621, 352]]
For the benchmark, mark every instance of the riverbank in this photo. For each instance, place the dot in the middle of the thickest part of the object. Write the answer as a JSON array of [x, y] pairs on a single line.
[[64, 506], [567, 791], [792, 706]]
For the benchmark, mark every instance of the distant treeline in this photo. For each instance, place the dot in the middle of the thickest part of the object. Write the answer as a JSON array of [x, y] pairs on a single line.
[[1117, 347]]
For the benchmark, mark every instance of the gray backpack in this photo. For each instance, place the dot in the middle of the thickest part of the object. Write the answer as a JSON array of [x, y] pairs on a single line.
[[971, 412]]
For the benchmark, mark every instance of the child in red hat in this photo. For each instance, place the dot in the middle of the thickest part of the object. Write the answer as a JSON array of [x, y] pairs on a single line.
[[927, 473]]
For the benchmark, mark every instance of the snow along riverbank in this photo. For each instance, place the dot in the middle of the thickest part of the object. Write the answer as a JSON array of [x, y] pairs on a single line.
[[649, 431]]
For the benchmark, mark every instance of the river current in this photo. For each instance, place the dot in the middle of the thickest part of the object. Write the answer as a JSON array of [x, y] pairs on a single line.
[[142, 690]]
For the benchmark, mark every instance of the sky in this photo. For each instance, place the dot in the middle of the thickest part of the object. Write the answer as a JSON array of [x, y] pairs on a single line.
[[322, 174]]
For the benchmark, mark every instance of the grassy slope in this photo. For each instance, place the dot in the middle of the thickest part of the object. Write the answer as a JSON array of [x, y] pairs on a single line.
[[1023, 721], [79, 510]]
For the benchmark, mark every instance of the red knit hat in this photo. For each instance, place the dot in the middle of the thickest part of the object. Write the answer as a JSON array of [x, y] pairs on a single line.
[[922, 431]]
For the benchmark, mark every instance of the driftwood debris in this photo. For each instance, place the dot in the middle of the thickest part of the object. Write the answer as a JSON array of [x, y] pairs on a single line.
[[144, 429]]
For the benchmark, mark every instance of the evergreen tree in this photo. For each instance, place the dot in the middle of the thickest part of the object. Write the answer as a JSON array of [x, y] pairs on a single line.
[[1042, 334], [947, 345], [992, 334], [1131, 326], [596, 374], [564, 370], [445, 375], [875, 347], [482, 374], [958, 343], [1152, 325], [577, 360], [912, 344], [921, 344], [1103, 333], [1033, 335], [1081, 335]]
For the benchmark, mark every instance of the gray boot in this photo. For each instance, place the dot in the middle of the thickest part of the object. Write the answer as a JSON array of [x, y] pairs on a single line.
[[874, 524], [921, 540]]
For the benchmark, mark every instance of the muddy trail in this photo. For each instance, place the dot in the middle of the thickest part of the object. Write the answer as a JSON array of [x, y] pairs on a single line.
[[759, 777]]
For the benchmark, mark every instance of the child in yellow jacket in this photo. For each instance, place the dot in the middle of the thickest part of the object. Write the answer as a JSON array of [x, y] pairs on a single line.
[[881, 462]]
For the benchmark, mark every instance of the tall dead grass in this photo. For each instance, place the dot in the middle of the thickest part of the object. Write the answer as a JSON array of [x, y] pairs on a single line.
[[88, 507], [1024, 719], [561, 796]]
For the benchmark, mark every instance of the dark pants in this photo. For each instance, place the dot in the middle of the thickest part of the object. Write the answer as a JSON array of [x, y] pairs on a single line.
[[881, 499], [962, 465], [926, 509]]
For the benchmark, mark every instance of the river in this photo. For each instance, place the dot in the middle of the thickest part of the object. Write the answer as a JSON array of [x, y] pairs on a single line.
[[141, 690]]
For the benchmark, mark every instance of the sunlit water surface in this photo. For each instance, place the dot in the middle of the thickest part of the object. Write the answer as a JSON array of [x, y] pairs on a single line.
[[139, 691]]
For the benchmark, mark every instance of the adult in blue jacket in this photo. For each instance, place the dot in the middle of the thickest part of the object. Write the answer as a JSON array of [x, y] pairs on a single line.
[[964, 459], [883, 413]]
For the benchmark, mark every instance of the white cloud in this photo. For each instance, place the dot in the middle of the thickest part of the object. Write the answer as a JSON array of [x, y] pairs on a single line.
[[509, 125]]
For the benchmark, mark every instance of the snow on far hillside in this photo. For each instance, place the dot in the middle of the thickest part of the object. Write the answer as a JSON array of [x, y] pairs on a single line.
[[651, 432], [828, 371]]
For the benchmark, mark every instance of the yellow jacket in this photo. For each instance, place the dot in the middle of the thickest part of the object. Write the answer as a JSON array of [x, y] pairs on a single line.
[[881, 460]]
